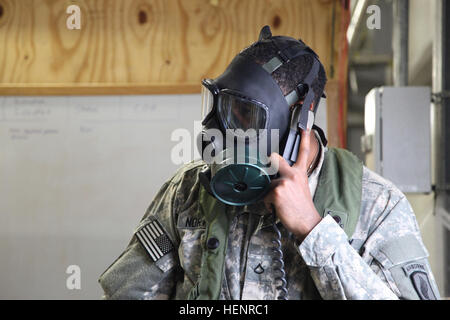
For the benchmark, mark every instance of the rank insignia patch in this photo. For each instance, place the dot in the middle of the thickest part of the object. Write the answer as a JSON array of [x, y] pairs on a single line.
[[154, 240]]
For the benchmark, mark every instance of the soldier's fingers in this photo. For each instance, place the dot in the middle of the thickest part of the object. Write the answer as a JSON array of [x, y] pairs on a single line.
[[303, 152], [283, 167]]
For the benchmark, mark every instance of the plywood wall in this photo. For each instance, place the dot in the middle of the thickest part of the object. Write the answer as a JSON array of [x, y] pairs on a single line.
[[141, 46]]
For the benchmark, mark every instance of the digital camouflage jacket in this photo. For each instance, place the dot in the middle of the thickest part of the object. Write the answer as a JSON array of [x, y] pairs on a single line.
[[384, 258]]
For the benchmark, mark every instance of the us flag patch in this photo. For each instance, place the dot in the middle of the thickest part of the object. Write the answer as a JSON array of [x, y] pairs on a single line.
[[154, 240]]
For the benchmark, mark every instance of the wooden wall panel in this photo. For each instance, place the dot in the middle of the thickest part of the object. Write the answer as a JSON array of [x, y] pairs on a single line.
[[144, 46]]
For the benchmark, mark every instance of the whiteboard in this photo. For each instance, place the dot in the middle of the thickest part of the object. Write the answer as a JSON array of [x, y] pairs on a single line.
[[77, 174]]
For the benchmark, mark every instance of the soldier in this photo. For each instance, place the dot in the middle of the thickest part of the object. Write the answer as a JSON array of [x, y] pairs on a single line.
[[324, 227]]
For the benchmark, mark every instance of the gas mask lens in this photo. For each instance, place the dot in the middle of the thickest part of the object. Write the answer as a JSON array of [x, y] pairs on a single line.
[[240, 113]]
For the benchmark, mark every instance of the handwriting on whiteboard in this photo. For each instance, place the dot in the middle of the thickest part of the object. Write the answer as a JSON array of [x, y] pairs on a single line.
[[28, 118], [16, 133], [90, 108]]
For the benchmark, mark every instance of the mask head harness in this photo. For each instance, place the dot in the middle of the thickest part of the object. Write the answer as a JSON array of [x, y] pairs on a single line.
[[246, 98]]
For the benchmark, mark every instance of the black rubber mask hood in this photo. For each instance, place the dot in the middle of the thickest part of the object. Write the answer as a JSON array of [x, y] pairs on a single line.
[[252, 81]]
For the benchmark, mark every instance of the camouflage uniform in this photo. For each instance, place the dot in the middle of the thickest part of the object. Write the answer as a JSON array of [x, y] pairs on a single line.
[[384, 259]]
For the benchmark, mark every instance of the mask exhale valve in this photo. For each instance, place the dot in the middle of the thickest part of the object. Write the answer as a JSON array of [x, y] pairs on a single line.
[[239, 182]]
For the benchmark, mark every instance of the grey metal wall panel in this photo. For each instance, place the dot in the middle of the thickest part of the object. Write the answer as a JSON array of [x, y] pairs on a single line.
[[402, 145]]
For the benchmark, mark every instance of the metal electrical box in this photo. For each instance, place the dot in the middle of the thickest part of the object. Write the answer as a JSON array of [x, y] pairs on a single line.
[[397, 137]]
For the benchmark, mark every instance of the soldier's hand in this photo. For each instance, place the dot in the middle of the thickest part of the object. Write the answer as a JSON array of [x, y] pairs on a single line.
[[290, 193]]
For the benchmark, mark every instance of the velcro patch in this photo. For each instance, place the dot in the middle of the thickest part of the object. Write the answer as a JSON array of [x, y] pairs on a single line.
[[191, 222], [154, 240]]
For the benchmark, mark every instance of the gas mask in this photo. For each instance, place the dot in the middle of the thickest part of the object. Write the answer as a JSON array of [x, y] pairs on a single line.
[[246, 117]]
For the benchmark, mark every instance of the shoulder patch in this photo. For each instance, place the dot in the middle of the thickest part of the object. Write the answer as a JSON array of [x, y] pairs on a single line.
[[422, 285], [418, 273], [155, 241], [410, 268]]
